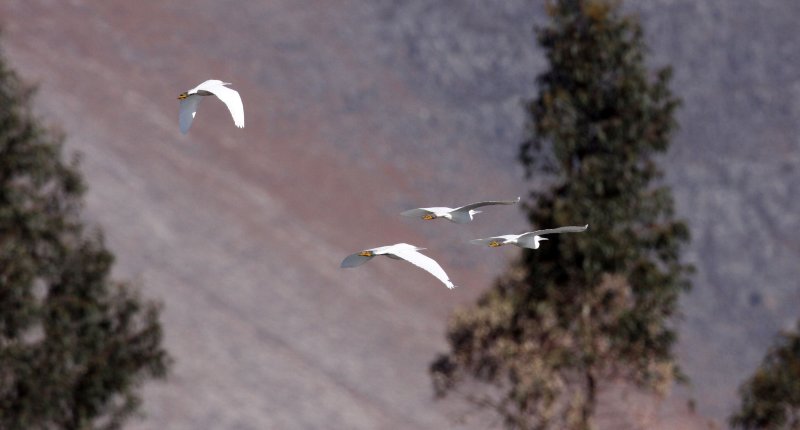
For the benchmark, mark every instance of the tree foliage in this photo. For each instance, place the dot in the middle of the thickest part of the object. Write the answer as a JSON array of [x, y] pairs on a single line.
[[771, 397], [590, 307], [74, 345]]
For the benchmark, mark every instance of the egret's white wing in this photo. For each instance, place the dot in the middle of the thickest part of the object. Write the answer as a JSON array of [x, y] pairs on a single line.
[[188, 109], [567, 229], [425, 263], [396, 247], [527, 240], [207, 86], [231, 99], [354, 260], [471, 206]]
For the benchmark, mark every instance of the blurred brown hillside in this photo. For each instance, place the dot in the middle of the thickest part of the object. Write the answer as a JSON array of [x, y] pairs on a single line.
[[356, 111]]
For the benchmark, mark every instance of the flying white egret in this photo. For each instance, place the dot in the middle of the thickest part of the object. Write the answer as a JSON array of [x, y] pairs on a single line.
[[527, 240], [400, 251], [190, 99], [461, 215]]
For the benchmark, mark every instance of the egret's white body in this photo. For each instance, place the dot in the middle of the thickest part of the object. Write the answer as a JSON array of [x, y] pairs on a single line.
[[400, 251], [190, 99], [527, 240], [461, 215]]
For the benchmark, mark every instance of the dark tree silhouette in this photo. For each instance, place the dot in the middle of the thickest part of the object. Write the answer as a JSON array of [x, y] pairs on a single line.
[[771, 397], [590, 307], [74, 345]]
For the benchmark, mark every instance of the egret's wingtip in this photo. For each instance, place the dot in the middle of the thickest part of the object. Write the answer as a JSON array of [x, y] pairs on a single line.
[[348, 262]]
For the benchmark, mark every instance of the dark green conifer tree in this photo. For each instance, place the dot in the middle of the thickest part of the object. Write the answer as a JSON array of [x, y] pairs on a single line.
[[589, 307], [771, 397], [74, 344]]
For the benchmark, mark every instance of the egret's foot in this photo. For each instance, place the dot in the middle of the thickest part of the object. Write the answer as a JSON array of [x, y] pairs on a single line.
[[365, 253], [429, 217], [495, 244]]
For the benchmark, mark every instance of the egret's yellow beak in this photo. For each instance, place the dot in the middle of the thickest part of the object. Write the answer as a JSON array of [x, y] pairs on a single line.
[[365, 253], [182, 96], [429, 217], [495, 244]]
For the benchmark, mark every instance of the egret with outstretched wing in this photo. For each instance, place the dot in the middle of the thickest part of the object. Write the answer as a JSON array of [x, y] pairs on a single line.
[[527, 240], [191, 99], [400, 251], [461, 215]]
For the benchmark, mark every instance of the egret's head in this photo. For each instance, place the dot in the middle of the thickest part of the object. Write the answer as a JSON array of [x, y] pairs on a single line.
[[365, 253], [182, 96], [495, 244], [429, 217]]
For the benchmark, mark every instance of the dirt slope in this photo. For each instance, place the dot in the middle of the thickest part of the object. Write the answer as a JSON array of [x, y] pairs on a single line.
[[356, 111]]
